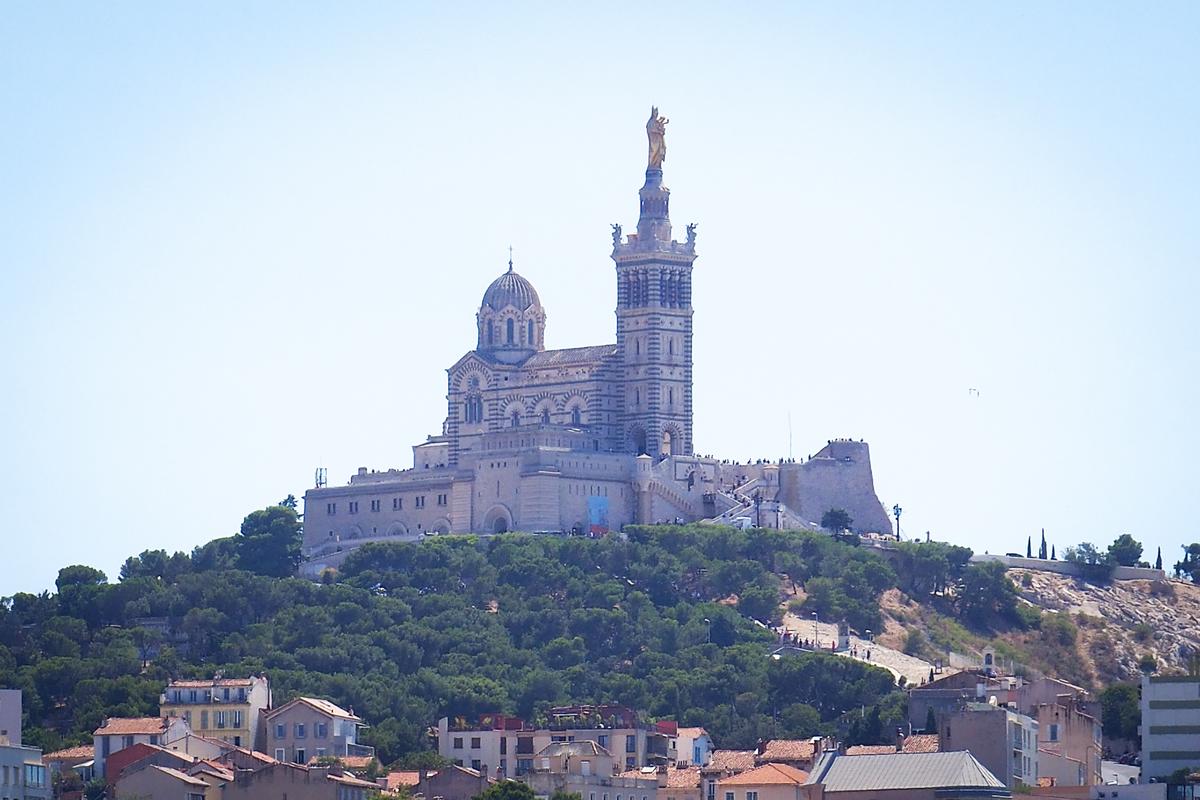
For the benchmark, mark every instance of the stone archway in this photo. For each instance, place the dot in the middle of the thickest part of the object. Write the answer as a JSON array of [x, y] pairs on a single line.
[[637, 438], [498, 519]]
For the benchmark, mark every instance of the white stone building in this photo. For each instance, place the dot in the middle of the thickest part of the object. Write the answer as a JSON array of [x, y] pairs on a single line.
[[1170, 726], [583, 439]]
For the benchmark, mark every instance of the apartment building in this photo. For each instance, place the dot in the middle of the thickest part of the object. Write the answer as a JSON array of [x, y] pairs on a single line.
[[1003, 740], [504, 746], [1170, 726], [1069, 744], [308, 727], [23, 776], [228, 709]]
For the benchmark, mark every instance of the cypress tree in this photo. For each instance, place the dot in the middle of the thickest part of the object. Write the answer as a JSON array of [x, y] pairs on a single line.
[[1029, 547]]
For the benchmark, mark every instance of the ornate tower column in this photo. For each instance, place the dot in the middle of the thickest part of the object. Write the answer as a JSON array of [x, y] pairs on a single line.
[[654, 318]]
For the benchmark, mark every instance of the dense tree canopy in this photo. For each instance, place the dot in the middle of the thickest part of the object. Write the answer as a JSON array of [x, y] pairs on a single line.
[[665, 619]]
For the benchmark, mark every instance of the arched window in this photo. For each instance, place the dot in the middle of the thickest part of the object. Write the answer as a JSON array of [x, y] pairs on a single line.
[[529, 336], [510, 330], [545, 416], [670, 397], [516, 419], [474, 408], [576, 418], [491, 333]]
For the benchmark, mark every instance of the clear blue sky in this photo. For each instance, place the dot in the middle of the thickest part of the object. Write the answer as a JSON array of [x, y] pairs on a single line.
[[241, 240]]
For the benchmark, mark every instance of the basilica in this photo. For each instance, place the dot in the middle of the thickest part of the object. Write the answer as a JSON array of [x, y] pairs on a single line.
[[584, 439]]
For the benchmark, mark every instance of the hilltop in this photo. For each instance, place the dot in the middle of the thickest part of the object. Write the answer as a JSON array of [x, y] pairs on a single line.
[[676, 622]]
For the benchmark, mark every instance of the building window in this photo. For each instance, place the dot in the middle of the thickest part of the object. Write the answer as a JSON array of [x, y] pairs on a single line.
[[458, 743], [729, 796], [751, 795], [397, 503], [280, 730], [1054, 731], [630, 744], [321, 730], [473, 408], [353, 506], [300, 733], [279, 754], [509, 331], [602, 740], [475, 743], [321, 751], [300, 755], [421, 501], [330, 509], [516, 419], [220, 718], [576, 417], [545, 416], [237, 741], [441, 499], [475, 764], [529, 337], [374, 505]]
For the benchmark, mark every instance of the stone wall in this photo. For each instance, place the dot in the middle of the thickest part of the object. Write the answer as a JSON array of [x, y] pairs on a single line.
[[1067, 568], [839, 476]]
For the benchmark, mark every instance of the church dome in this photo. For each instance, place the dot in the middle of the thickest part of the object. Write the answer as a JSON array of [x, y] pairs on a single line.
[[510, 289]]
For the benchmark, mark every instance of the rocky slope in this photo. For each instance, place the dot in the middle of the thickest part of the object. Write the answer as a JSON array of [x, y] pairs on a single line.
[[1121, 622]]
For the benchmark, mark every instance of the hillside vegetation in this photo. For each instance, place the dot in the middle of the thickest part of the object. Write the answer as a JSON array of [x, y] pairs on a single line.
[[672, 621]]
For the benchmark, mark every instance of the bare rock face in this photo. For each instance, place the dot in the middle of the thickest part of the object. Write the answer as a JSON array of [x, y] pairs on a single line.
[[1124, 620]]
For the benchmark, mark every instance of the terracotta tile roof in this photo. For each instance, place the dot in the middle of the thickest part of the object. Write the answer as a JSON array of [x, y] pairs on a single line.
[[922, 743], [731, 761], [179, 776], [871, 749], [779, 774], [324, 706], [132, 726], [683, 777], [83, 751], [212, 769], [395, 780], [787, 750]]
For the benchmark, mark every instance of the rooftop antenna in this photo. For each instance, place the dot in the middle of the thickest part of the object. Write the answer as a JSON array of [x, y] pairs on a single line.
[[510, 258], [321, 477]]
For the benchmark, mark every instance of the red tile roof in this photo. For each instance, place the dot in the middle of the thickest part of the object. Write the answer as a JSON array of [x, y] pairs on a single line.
[[780, 774], [132, 726], [787, 750], [395, 780], [922, 743], [324, 706], [731, 761], [71, 753], [870, 749]]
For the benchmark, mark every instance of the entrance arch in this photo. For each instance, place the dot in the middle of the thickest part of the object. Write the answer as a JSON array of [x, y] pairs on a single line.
[[498, 519]]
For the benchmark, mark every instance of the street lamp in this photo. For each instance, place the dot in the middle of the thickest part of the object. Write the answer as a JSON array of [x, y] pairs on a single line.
[[707, 630], [897, 511]]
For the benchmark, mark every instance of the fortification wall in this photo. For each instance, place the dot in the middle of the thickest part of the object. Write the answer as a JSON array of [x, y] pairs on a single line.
[[1067, 568], [839, 476]]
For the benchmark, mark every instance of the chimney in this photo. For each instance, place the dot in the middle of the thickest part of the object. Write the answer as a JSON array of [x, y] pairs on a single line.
[[899, 739]]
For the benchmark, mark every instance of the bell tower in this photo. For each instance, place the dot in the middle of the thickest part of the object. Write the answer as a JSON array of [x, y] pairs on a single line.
[[654, 318]]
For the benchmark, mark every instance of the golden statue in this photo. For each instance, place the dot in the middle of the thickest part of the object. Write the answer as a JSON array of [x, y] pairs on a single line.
[[656, 129]]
